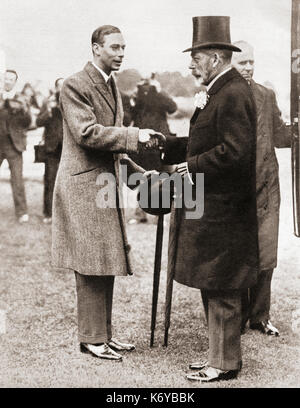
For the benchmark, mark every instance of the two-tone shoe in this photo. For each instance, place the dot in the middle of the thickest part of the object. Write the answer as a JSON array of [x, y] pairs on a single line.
[[100, 351], [211, 374], [200, 365], [118, 346], [265, 328]]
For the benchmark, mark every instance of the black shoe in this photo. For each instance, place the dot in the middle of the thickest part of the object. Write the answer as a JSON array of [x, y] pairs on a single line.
[[265, 328], [210, 374]]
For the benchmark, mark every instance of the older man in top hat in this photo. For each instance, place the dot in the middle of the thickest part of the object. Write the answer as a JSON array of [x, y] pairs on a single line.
[[219, 252], [271, 132]]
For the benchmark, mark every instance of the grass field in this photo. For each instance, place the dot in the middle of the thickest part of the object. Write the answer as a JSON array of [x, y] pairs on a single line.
[[40, 349]]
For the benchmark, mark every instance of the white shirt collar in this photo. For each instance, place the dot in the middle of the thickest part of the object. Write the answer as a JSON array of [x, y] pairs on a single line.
[[217, 77], [105, 76], [9, 95]]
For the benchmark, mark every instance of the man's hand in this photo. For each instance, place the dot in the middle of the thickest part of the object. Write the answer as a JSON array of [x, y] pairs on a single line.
[[152, 139], [182, 169], [145, 135]]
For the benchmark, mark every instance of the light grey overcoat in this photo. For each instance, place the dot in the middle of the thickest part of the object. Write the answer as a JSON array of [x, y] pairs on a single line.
[[85, 237]]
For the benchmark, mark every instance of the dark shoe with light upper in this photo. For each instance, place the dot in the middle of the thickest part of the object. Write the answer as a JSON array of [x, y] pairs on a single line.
[[265, 328], [211, 374], [100, 351], [201, 365], [118, 346]]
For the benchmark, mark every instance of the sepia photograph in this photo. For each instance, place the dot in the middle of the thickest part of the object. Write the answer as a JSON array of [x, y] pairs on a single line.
[[150, 196]]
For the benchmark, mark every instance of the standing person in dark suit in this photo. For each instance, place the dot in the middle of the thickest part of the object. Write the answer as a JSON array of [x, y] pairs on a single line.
[[151, 108], [217, 253], [89, 238], [50, 118], [152, 105], [14, 121], [271, 132]]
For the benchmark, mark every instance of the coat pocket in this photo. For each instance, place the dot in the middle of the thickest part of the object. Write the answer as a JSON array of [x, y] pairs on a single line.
[[86, 176]]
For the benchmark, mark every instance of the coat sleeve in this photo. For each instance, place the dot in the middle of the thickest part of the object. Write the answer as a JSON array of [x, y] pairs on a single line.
[[235, 125], [21, 119], [175, 150], [78, 112], [281, 132], [166, 104], [43, 117]]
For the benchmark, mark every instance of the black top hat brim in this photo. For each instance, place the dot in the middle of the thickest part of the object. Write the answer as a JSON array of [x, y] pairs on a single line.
[[210, 45]]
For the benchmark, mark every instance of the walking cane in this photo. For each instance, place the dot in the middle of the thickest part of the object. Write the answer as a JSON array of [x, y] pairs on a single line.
[[156, 275], [170, 279], [168, 305]]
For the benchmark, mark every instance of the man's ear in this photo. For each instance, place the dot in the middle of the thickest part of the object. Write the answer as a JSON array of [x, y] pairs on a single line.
[[216, 60], [96, 48]]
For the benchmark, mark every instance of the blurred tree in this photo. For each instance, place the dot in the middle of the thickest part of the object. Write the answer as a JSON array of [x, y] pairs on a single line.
[[127, 80], [173, 83], [176, 84]]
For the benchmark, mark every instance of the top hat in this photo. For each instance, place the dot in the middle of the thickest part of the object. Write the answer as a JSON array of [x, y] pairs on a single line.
[[212, 32], [157, 193]]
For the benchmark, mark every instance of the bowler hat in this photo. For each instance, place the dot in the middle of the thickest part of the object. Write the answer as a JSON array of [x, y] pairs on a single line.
[[212, 32]]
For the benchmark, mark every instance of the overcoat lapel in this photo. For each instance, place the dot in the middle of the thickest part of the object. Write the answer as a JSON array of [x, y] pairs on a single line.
[[100, 85], [195, 116]]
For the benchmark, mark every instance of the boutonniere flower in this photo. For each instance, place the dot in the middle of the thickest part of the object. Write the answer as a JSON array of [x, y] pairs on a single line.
[[201, 99]]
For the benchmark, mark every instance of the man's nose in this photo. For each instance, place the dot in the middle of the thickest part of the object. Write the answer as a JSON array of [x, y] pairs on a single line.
[[249, 66], [192, 65]]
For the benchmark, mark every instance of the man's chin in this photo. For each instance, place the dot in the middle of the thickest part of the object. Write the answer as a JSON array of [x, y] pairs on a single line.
[[247, 77], [116, 67]]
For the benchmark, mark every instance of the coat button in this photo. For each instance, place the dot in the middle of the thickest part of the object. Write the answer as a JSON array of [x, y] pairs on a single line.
[[265, 207], [266, 158]]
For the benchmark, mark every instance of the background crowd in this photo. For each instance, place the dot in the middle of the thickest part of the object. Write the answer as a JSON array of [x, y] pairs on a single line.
[[145, 105]]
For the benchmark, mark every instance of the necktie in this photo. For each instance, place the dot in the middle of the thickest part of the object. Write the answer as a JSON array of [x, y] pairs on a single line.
[[110, 87]]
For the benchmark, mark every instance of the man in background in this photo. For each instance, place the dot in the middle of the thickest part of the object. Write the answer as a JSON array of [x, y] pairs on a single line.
[[152, 105], [14, 121], [50, 118], [271, 132], [150, 110]]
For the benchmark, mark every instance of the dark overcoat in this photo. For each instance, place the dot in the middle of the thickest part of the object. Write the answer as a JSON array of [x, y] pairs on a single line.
[[150, 112], [14, 124], [220, 250], [271, 132], [53, 124], [86, 236]]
